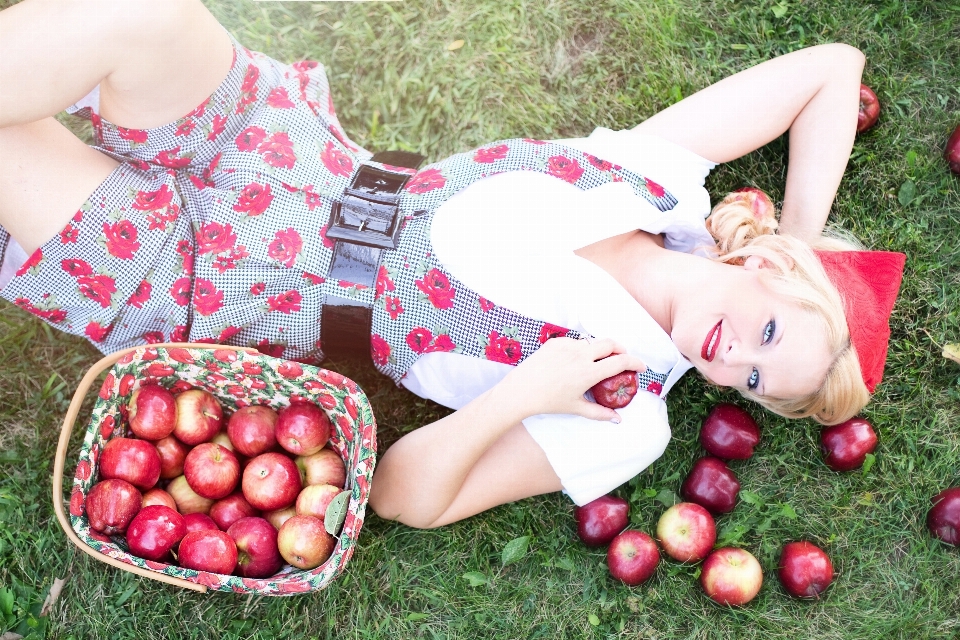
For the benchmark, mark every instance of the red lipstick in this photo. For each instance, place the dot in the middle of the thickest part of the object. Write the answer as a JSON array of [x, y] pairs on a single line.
[[709, 349]]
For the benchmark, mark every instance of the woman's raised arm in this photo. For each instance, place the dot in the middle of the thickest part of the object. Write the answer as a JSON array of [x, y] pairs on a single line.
[[813, 93]]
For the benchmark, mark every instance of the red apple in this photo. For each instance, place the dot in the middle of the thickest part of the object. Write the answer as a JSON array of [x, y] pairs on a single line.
[[227, 511], [252, 430], [616, 391], [188, 501], [757, 200], [158, 496], [135, 461], [154, 531], [302, 428], [869, 109], [687, 532], [323, 467], [711, 484], [199, 522], [207, 550], [271, 481], [212, 470], [804, 570], [259, 555], [846, 445], [152, 412], [198, 417], [278, 516], [952, 153], [943, 519], [172, 454], [729, 432], [600, 521], [314, 500], [304, 543], [111, 505], [731, 576], [632, 557]]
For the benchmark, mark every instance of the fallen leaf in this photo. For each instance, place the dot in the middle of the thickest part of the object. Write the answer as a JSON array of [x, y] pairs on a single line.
[[952, 352], [456, 44], [51, 599], [10, 635]]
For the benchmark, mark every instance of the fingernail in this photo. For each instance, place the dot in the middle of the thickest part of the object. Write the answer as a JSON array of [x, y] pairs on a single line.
[[615, 420]]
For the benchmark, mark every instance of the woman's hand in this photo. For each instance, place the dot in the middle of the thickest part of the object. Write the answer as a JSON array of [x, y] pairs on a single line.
[[555, 377]]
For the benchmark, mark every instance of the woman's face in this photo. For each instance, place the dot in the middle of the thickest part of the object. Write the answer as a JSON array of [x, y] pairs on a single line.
[[740, 333]]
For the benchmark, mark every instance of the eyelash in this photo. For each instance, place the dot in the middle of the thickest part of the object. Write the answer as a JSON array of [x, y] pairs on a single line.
[[768, 332]]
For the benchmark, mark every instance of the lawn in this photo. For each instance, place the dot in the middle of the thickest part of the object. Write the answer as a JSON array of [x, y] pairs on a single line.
[[557, 68]]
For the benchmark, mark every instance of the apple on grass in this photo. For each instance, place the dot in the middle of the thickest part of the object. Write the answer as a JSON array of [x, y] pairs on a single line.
[[616, 391], [632, 557], [729, 433], [154, 531], [323, 467], [207, 550], [252, 430], [943, 519], [314, 500], [304, 543], [302, 428], [172, 454], [199, 416], [711, 484], [731, 576], [111, 505], [188, 500], [271, 481], [230, 509], [804, 569], [199, 522], [212, 471], [952, 153], [846, 445], [259, 555], [158, 496], [687, 532], [135, 461], [869, 111], [152, 412], [599, 521]]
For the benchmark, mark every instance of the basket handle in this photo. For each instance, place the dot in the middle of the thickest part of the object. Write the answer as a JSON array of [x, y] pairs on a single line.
[[68, 423]]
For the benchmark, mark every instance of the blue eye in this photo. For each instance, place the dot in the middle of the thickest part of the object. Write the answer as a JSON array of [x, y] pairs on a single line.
[[754, 381], [768, 331]]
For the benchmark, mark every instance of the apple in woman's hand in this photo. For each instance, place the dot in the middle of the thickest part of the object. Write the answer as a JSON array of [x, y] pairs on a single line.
[[711, 484], [804, 570], [687, 532], [846, 445], [600, 521], [731, 576], [616, 391], [952, 153], [869, 109], [632, 557], [943, 519], [729, 432]]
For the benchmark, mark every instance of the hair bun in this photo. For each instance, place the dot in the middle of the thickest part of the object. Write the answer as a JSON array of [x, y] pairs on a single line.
[[742, 216]]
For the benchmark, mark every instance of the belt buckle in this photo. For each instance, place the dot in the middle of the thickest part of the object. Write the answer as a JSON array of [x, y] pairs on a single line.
[[368, 212]]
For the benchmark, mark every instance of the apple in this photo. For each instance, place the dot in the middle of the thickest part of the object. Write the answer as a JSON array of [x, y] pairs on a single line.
[[323, 467], [230, 509], [212, 471], [111, 505], [616, 391], [756, 200], [729, 432], [172, 454], [207, 550], [731, 576], [302, 428], [152, 412], [687, 532], [198, 417], [952, 153], [154, 532], [600, 521], [252, 430], [314, 500], [259, 555], [271, 481], [846, 445], [804, 569], [869, 109], [711, 484], [632, 557], [943, 519], [199, 522], [223, 439], [278, 516], [304, 543], [188, 500], [158, 496], [135, 461]]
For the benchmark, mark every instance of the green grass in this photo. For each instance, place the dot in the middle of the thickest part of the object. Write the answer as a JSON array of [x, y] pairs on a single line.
[[558, 68]]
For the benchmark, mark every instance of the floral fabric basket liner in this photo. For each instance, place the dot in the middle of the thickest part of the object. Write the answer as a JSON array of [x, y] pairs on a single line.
[[236, 378]]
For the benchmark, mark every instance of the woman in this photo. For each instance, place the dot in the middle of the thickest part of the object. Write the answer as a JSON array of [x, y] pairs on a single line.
[[254, 220]]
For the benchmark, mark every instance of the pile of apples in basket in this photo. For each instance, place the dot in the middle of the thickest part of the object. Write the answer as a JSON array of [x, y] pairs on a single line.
[[240, 500]]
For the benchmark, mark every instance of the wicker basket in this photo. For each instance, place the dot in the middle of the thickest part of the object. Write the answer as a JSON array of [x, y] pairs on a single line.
[[237, 377]]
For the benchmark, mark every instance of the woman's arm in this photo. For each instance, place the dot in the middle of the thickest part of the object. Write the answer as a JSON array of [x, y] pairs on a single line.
[[813, 93], [481, 455]]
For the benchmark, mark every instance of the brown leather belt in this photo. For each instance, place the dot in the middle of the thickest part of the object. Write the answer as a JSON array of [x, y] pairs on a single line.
[[365, 222]]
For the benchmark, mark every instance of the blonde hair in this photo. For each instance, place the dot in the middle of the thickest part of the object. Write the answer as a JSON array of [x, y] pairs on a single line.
[[796, 273]]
